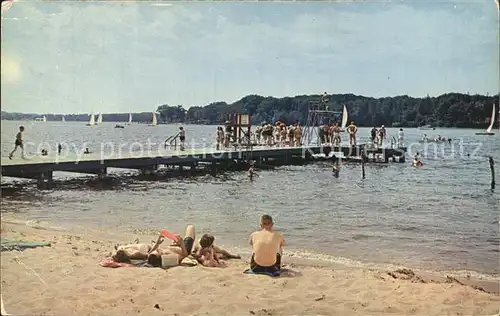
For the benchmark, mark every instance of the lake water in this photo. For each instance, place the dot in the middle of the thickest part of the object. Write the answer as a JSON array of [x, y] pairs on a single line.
[[440, 217]]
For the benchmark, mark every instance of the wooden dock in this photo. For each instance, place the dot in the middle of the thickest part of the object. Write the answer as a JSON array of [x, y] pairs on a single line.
[[42, 167]]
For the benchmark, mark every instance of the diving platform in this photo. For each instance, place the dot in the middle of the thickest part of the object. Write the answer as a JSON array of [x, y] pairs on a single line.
[[42, 167]]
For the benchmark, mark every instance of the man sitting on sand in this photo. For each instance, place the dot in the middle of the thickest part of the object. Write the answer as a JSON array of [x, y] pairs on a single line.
[[170, 256], [267, 248]]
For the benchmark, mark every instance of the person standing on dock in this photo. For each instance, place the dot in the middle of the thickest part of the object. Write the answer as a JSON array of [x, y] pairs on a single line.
[[336, 135], [352, 129], [297, 131], [321, 134], [401, 136], [182, 137], [220, 138], [373, 134], [228, 133], [324, 100], [18, 142], [381, 135]]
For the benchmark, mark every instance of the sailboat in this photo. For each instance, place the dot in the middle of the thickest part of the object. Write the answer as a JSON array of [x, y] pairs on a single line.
[[344, 118], [99, 119], [154, 123], [92, 120], [63, 119], [488, 130], [44, 119], [129, 118]]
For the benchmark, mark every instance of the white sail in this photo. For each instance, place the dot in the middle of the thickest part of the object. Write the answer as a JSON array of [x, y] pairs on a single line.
[[99, 119], [92, 120], [344, 117], [488, 130], [63, 119], [130, 118], [154, 123], [44, 119]]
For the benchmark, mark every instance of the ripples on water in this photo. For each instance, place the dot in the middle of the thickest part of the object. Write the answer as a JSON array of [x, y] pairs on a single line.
[[443, 216]]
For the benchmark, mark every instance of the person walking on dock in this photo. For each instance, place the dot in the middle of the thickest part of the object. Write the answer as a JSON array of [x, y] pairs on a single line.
[[18, 142], [352, 129]]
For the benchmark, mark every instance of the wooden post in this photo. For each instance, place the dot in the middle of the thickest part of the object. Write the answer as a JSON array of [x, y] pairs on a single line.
[[363, 168], [492, 168], [41, 181], [50, 180]]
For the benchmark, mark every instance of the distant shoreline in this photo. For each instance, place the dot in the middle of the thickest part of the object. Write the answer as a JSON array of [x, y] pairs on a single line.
[[447, 110], [222, 123]]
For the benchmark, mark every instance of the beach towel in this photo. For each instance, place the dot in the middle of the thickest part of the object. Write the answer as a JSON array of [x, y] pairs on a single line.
[[282, 273], [19, 245], [110, 263], [275, 274]]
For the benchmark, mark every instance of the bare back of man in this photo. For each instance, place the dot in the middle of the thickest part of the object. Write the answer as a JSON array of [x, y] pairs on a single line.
[[267, 247]]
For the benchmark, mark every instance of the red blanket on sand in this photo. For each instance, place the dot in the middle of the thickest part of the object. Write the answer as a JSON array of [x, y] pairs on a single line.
[[110, 263]]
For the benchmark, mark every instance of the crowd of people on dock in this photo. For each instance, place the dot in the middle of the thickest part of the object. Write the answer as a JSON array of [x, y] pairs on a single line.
[[267, 250], [278, 134]]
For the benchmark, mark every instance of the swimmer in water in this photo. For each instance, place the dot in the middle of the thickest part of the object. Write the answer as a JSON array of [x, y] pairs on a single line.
[[416, 161], [251, 172], [336, 167]]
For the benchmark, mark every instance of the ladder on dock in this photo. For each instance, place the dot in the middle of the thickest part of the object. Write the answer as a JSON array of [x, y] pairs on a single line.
[[171, 141]]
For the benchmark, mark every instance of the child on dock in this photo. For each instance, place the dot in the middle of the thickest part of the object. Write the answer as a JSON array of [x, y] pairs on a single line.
[[18, 142]]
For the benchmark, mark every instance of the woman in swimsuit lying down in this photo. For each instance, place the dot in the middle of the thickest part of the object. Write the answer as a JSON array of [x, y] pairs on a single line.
[[167, 257]]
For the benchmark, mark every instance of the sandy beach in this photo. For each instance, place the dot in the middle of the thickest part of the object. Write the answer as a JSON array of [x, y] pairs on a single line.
[[66, 279]]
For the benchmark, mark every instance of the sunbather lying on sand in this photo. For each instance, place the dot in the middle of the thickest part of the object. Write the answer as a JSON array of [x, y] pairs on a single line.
[[167, 257], [221, 253]]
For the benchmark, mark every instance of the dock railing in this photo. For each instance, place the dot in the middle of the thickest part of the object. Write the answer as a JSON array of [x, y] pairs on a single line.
[[171, 141]]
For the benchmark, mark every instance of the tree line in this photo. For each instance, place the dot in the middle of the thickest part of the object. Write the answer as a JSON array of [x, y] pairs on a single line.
[[447, 110]]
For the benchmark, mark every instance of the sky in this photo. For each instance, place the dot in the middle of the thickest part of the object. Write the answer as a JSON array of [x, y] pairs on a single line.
[[79, 57]]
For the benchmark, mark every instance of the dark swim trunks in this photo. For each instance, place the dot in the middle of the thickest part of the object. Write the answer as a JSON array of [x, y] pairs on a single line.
[[18, 142], [188, 243], [272, 269], [182, 138]]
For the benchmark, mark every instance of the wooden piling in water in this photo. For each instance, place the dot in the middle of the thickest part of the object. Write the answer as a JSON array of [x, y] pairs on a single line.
[[363, 168], [492, 168]]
